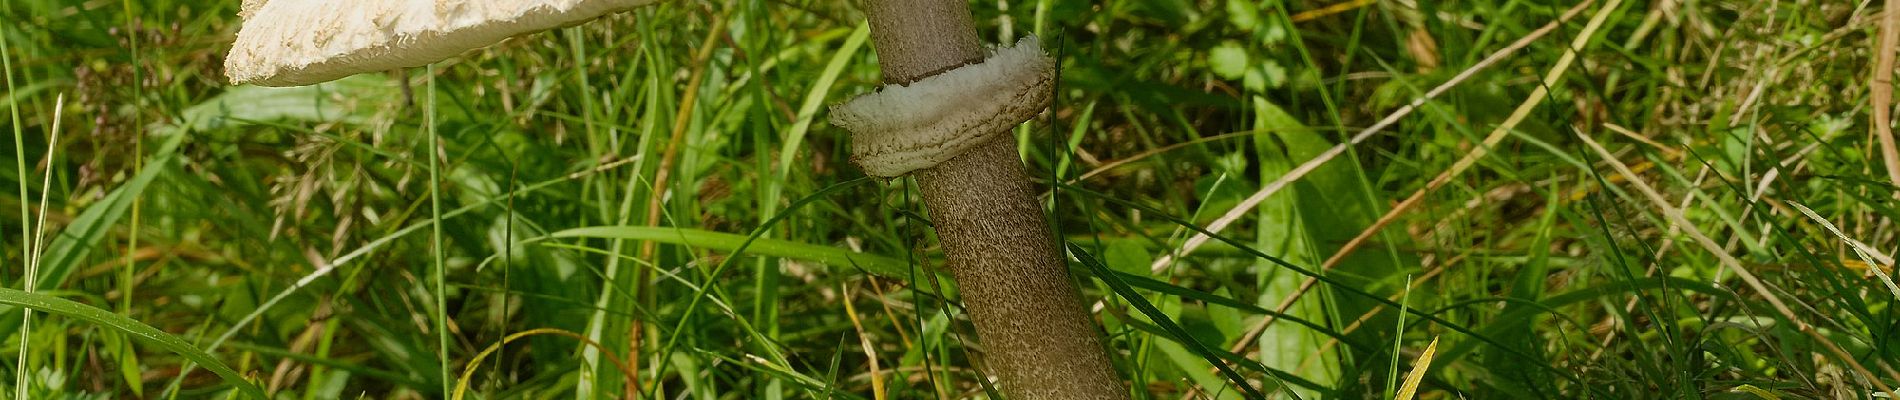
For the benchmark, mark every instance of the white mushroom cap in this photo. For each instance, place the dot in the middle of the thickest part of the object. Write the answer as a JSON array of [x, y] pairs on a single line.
[[903, 128], [301, 42]]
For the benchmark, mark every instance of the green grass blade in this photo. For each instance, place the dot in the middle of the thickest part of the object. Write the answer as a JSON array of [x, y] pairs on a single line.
[[1335, 283], [80, 237], [146, 333], [828, 255], [1162, 287], [438, 267], [1162, 319], [821, 88], [26, 229]]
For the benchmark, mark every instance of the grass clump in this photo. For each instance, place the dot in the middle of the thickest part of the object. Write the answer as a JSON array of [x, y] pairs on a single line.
[[1589, 199]]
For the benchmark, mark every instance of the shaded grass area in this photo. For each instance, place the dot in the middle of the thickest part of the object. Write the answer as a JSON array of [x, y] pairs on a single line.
[[655, 200]]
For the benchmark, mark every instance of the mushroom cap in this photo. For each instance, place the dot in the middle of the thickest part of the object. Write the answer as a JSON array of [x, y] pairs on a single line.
[[302, 42], [903, 128]]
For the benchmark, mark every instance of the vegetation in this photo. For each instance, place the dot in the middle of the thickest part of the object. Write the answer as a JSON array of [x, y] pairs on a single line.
[[1593, 199]]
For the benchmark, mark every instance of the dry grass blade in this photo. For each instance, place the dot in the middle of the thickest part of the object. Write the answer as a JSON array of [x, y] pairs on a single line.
[[1536, 98], [1412, 379], [1331, 10], [1881, 88], [656, 199], [666, 190], [1296, 173], [36, 249], [461, 385], [864, 341], [1866, 254], [1497, 135], [1674, 216]]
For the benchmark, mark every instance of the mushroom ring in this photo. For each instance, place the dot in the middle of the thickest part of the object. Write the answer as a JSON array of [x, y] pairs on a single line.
[[903, 128]]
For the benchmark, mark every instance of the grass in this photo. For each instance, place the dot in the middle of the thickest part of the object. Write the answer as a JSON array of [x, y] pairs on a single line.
[[1303, 199]]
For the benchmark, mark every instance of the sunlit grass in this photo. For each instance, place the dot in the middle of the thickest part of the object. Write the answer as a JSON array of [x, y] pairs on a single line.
[[661, 186]]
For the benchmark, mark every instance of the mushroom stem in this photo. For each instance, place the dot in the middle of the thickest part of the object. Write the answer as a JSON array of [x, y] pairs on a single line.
[[1037, 335], [1039, 339]]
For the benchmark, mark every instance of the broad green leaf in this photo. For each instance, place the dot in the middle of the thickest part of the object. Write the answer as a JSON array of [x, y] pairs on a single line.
[[1229, 60], [1284, 231], [1127, 256], [350, 100], [1528, 285]]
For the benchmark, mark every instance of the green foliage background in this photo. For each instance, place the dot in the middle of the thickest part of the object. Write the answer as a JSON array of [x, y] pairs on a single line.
[[285, 237]]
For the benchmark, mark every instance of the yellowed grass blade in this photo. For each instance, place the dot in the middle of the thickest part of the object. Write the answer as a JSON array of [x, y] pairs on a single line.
[[1418, 372]]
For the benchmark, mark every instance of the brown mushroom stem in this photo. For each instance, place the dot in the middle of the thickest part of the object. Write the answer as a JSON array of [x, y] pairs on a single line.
[[1039, 339]]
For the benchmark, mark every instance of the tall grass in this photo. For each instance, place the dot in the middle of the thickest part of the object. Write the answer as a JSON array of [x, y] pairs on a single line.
[[1580, 197], [27, 253]]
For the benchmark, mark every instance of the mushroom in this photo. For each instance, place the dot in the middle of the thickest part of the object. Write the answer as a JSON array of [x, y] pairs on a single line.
[[303, 42], [946, 102], [904, 128]]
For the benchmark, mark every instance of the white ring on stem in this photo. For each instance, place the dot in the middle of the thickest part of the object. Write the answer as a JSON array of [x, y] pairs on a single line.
[[904, 128]]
